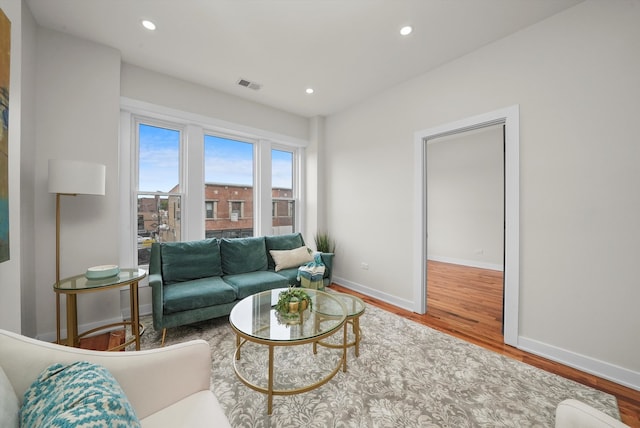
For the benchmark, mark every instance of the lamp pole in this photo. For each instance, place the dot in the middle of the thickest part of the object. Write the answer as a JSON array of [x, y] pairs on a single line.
[[58, 262]]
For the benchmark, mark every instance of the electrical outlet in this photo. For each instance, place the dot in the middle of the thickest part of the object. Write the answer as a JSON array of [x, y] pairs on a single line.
[[364, 266]]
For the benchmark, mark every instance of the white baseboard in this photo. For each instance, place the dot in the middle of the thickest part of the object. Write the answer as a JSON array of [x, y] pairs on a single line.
[[590, 365], [126, 314], [143, 310], [51, 336], [470, 263], [393, 300]]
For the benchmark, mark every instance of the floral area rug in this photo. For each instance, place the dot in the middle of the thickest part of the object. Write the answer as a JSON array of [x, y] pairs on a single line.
[[407, 375]]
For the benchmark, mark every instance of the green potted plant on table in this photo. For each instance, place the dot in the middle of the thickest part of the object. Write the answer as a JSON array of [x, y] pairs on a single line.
[[293, 301]]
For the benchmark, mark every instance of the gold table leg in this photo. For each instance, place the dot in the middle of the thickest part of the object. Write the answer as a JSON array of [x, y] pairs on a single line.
[[135, 313], [356, 332], [72, 320], [344, 347], [58, 339], [237, 346], [270, 386]]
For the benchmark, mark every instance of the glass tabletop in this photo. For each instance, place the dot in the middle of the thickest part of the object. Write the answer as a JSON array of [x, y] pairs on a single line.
[[354, 305], [81, 282], [255, 316]]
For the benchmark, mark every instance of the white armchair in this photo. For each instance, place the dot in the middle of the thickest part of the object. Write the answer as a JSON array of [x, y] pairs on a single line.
[[167, 387], [576, 414]]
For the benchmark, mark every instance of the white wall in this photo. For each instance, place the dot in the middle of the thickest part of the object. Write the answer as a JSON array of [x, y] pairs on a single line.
[[78, 102], [28, 171], [77, 117], [10, 313], [575, 78], [159, 89], [465, 198]]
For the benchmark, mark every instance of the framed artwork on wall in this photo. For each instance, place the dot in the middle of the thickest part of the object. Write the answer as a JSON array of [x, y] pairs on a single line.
[[5, 59]]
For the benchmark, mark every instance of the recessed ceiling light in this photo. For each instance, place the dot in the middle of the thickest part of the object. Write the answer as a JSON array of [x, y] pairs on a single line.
[[148, 24], [309, 91], [406, 30]]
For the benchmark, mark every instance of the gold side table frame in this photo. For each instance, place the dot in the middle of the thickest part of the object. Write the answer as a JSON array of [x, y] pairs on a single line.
[[253, 320], [79, 284], [355, 308]]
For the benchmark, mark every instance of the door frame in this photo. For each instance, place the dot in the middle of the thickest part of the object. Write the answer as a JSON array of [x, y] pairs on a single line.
[[510, 117]]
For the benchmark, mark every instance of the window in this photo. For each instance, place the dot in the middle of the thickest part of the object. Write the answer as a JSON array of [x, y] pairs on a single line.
[[282, 192], [158, 193], [211, 210], [228, 173], [220, 184]]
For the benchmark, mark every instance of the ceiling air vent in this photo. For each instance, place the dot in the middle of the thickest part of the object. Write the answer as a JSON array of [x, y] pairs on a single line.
[[248, 84]]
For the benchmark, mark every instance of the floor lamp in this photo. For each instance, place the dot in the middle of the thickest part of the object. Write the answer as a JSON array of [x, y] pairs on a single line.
[[72, 178]]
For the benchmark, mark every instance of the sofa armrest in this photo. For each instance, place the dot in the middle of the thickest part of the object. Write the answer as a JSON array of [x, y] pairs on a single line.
[[156, 284], [327, 259], [576, 414], [152, 379], [157, 290]]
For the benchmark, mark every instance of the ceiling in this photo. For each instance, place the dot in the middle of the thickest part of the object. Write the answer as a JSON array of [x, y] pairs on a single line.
[[347, 50]]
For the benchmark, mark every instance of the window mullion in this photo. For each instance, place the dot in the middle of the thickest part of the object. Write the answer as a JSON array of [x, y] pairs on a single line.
[[263, 188], [193, 178]]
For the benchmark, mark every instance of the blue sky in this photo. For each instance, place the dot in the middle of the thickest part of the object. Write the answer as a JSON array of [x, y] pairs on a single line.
[[226, 161]]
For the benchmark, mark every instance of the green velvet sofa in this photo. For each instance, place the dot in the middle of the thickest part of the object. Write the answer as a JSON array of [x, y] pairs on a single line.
[[199, 280]]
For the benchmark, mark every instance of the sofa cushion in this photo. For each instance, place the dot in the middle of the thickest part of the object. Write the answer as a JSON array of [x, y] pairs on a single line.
[[282, 242], [9, 406], [80, 394], [242, 255], [285, 259], [291, 274], [183, 261], [247, 284], [197, 293]]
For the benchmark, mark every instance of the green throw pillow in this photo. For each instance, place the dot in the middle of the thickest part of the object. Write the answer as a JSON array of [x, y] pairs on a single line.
[[242, 255], [184, 261], [80, 394]]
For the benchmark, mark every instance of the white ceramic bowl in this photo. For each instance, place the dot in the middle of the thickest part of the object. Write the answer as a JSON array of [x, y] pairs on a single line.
[[103, 271]]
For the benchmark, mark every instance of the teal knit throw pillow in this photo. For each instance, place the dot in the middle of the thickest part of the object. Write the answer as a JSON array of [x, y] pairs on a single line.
[[80, 394]]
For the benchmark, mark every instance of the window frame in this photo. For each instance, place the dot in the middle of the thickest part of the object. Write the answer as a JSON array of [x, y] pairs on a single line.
[[295, 183], [137, 121], [193, 126], [214, 209]]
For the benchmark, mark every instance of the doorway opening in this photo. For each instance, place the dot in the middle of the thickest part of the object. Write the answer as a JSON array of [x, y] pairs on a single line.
[[509, 117], [465, 230]]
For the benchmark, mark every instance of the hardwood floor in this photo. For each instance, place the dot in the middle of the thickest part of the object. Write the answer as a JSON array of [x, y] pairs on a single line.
[[467, 303], [102, 342]]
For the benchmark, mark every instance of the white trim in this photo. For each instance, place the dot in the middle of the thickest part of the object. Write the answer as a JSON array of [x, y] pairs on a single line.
[[376, 294], [126, 161], [218, 125], [510, 116], [262, 194], [617, 374], [51, 336]]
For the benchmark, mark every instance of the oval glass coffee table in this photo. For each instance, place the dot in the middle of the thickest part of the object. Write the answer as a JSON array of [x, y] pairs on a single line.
[[255, 320]]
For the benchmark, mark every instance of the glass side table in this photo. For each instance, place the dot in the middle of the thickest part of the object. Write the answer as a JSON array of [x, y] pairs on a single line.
[[80, 284], [355, 308]]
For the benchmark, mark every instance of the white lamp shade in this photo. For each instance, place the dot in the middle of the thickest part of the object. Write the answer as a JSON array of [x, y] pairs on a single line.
[[75, 177]]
